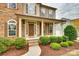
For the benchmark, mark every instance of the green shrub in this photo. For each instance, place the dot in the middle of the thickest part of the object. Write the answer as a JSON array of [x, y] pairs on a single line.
[[3, 48], [60, 39], [65, 38], [53, 39], [55, 46], [57, 39], [70, 43], [20, 43], [44, 40], [64, 44], [6, 41], [71, 32]]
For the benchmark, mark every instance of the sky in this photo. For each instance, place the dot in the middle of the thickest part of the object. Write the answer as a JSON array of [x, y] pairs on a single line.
[[66, 10]]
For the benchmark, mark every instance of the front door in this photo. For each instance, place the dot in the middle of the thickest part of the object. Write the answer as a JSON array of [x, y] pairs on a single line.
[[31, 29]]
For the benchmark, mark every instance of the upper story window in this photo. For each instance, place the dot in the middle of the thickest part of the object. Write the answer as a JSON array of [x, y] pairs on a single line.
[[11, 27], [12, 5], [31, 8], [43, 11], [51, 14]]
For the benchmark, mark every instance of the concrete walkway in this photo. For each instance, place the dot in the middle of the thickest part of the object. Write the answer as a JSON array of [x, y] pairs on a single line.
[[33, 51]]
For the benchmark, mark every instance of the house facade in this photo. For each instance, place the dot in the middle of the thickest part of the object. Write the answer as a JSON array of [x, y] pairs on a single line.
[[30, 20]]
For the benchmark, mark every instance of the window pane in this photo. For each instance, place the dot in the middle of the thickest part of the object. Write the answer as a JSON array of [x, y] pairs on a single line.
[[12, 28], [12, 33], [43, 11], [31, 8], [12, 5], [51, 13]]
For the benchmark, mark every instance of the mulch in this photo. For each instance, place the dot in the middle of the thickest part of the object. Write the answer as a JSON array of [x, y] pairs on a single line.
[[47, 51], [15, 52]]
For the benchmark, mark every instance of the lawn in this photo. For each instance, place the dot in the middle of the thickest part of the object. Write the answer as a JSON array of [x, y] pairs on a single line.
[[72, 53]]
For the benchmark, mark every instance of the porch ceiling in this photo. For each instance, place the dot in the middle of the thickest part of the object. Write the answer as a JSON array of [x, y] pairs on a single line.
[[37, 18]]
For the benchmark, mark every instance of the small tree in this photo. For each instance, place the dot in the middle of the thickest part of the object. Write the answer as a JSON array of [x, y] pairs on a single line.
[[71, 32]]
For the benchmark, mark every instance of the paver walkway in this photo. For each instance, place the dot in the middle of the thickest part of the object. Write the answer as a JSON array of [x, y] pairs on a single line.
[[33, 51]]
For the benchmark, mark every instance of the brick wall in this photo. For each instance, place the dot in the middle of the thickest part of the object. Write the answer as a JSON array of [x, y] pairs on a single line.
[[7, 14]]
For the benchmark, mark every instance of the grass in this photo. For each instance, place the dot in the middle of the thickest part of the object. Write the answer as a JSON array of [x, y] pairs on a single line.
[[72, 53]]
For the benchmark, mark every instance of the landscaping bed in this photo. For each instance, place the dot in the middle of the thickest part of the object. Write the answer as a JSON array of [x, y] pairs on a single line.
[[15, 52], [47, 51], [59, 45], [16, 47]]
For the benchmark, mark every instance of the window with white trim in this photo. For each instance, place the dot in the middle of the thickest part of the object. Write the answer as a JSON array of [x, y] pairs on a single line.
[[51, 13], [31, 8], [11, 27], [12, 5], [43, 11]]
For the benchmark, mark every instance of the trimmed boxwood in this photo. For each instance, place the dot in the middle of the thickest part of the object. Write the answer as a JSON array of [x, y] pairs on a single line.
[[71, 32], [6, 41], [20, 42], [65, 38], [44, 40], [64, 44], [55, 46], [53, 39], [70, 43], [58, 39], [3, 48]]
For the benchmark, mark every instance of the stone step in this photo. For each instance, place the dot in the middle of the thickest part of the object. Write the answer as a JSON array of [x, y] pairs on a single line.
[[33, 42]]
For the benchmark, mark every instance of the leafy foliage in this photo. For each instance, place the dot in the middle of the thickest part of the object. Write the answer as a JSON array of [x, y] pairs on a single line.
[[70, 43], [6, 41], [20, 42], [71, 32], [44, 40], [64, 44], [53, 39], [55, 46], [3, 48]]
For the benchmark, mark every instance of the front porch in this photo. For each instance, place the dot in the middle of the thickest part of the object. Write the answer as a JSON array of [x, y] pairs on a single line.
[[33, 27]]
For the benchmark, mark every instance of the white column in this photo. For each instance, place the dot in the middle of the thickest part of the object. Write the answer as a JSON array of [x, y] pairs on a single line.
[[42, 28], [25, 27], [35, 29], [20, 27]]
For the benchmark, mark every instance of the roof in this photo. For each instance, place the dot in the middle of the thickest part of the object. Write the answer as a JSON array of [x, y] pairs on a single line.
[[42, 17], [47, 6]]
